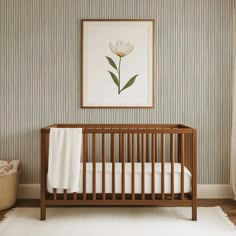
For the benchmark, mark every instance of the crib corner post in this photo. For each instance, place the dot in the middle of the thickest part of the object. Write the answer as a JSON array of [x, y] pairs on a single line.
[[42, 211], [194, 175], [194, 212], [43, 177]]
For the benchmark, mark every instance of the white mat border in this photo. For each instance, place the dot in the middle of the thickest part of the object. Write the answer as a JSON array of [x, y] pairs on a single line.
[[219, 210], [225, 217]]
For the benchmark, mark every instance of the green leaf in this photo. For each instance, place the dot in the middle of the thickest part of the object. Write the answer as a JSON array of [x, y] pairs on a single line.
[[113, 76], [112, 63], [130, 82]]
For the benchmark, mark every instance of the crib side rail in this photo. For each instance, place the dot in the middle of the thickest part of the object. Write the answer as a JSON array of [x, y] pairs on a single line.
[[146, 150], [134, 145]]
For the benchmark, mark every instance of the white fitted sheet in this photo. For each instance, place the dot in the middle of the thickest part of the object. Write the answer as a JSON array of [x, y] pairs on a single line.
[[128, 178]]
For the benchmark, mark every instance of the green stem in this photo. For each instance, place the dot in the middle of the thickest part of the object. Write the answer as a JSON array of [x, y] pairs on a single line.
[[119, 76]]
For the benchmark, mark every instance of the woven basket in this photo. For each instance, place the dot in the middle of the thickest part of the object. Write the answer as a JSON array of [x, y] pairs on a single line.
[[8, 190]]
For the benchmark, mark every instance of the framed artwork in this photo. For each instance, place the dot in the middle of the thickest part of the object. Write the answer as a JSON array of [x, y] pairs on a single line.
[[118, 63]]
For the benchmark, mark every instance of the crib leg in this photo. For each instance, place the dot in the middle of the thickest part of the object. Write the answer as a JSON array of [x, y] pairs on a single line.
[[42, 212], [194, 212]]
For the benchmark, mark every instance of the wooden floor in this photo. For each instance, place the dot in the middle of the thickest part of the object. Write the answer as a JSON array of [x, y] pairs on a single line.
[[228, 206]]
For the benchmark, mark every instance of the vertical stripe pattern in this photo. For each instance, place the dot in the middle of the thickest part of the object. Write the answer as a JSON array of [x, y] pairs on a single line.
[[40, 74]]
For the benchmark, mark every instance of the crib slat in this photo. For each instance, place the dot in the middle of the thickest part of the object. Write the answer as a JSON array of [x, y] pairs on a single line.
[[65, 194], [113, 165], [54, 194], [128, 148], [74, 196], [138, 147], [156, 144], [103, 167], [133, 170], [163, 166], [182, 166], [172, 164], [153, 165], [147, 148], [94, 166], [85, 153], [123, 167], [120, 147], [143, 170]]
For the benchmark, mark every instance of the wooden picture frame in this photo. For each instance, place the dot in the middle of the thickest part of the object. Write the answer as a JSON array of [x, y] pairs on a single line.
[[117, 63]]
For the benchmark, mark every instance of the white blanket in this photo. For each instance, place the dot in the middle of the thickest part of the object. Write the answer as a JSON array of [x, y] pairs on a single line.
[[64, 158], [9, 167]]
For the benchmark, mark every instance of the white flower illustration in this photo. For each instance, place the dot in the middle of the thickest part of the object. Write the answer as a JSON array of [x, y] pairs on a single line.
[[121, 48]]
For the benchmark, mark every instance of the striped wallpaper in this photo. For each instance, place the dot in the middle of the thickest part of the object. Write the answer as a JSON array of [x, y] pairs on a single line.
[[40, 74]]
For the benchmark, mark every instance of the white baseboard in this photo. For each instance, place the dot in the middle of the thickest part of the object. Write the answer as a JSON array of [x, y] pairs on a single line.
[[28, 191], [214, 191], [32, 191]]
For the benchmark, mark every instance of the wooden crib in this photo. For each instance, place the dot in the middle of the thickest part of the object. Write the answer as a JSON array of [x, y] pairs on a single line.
[[168, 148]]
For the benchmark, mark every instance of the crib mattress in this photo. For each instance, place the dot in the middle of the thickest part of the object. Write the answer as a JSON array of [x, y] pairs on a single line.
[[128, 178]]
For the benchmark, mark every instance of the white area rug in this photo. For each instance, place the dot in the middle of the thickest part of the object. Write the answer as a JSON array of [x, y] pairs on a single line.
[[117, 221]]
